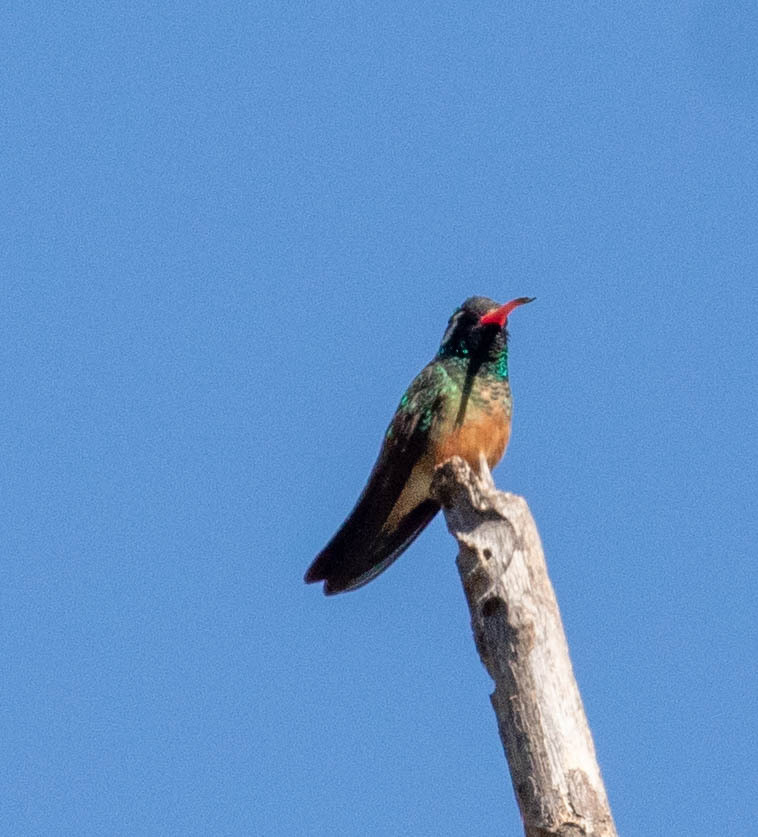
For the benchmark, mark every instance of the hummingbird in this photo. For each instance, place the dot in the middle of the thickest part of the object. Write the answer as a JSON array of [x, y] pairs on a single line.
[[458, 405]]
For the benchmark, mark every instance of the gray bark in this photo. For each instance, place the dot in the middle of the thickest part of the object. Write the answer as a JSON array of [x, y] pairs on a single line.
[[519, 635]]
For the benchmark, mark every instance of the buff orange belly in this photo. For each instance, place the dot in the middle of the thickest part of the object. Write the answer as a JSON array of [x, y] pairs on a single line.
[[486, 433]]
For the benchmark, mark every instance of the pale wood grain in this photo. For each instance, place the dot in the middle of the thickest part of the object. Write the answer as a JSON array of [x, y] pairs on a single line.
[[519, 635]]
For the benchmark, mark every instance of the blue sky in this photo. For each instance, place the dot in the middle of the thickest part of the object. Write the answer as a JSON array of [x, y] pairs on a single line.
[[232, 234]]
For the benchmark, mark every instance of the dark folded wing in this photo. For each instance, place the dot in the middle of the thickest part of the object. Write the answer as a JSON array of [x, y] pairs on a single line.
[[364, 546]]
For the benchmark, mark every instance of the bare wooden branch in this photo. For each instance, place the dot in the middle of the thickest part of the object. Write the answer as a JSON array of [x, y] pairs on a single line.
[[519, 635]]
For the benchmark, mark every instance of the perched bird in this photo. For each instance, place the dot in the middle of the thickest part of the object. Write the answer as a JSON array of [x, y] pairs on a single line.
[[458, 405]]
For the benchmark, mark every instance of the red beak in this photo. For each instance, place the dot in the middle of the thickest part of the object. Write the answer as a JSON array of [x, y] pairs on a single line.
[[498, 316]]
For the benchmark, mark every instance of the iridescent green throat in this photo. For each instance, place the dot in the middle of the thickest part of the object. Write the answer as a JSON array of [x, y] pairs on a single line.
[[496, 365]]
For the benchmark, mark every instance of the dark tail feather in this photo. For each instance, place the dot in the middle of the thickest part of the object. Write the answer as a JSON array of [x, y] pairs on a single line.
[[348, 561]]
